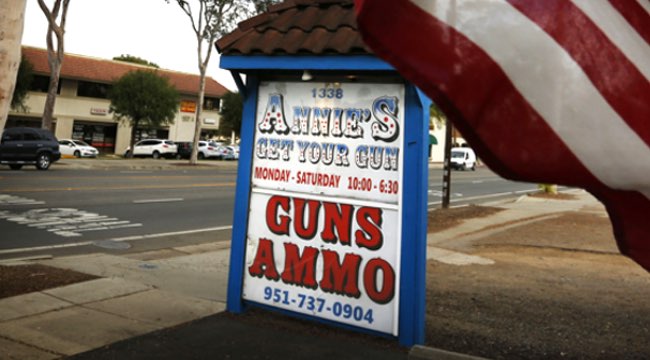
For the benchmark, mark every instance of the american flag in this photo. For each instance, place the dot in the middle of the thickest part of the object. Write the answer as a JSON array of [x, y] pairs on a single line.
[[552, 91]]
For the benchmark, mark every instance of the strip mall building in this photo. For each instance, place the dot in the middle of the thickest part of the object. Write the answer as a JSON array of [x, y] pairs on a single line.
[[81, 110]]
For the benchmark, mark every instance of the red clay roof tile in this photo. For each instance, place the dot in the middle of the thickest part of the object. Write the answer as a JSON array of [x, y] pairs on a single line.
[[298, 27], [79, 67]]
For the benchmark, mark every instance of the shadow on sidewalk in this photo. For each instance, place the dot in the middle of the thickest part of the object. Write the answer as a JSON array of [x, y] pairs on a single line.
[[255, 334]]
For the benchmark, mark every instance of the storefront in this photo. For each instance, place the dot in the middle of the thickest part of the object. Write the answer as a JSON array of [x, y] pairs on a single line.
[[100, 135]]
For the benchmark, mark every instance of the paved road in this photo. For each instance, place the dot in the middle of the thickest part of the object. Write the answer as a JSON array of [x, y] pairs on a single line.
[[74, 207], [68, 206], [474, 187]]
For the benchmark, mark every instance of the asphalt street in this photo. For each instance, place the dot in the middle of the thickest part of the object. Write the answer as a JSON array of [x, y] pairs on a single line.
[[76, 210], [474, 187], [68, 206]]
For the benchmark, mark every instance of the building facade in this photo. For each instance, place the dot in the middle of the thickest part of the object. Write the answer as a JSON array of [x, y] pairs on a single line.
[[81, 111]]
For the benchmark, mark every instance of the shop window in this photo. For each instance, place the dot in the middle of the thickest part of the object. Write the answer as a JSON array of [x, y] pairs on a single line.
[[40, 83], [210, 103], [99, 135], [142, 134], [23, 121], [93, 89]]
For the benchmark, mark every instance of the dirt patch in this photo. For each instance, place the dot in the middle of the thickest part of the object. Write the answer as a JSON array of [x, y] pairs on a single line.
[[570, 231], [558, 289], [23, 279], [441, 219]]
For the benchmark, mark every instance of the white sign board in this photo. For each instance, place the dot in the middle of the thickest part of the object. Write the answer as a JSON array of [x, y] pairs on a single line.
[[324, 230]]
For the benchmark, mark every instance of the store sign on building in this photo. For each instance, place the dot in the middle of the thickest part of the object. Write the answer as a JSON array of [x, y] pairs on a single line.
[[98, 111], [324, 230], [188, 106]]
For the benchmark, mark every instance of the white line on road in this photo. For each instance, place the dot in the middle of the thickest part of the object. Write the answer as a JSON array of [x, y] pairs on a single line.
[[149, 201], [186, 232], [488, 196], [128, 238]]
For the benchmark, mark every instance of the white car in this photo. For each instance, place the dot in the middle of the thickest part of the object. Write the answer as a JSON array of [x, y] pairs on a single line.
[[77, 148], [209, 150], [155, 148], [235, 151]]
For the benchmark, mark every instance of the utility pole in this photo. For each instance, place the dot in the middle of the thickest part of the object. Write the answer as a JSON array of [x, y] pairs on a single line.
[[446, 175]]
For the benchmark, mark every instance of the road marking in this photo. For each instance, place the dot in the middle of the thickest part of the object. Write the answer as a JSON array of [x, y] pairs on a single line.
[[124, 187], [488, 196], [17, 200], [66, 222], [149, 201], [176, 233], [439, 193], [48, 247], [128, 238]]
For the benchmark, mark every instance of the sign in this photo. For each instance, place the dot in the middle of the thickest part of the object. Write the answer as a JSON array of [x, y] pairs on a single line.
[[188, 106], [98, 111], [324, 230], [209, 121]]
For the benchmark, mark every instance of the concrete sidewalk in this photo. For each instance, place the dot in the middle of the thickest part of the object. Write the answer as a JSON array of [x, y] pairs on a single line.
[[153, 292]]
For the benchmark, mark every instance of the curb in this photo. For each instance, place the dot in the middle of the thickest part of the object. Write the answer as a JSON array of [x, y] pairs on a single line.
[[419, 352]]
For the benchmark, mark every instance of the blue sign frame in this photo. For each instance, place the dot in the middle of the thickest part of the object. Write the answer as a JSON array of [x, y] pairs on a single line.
[[415, 179]]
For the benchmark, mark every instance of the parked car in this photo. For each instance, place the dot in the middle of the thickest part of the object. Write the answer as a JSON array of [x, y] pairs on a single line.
[[184, 149], [20, 146], [227, 153], [207, 150], [463, 158], [155, 148], [235, 150], [77, 148]]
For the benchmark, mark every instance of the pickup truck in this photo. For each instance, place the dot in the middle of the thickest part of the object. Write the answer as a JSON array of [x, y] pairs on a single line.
[[21, 145]]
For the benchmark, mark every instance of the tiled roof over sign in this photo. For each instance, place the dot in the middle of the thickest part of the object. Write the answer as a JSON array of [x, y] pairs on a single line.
[[298, 27], [85, 68]]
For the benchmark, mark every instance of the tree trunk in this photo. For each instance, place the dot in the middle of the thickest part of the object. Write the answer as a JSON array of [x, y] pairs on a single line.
[[48, 111], [12, 14], [55, 54], [134, 130], [199, 111]]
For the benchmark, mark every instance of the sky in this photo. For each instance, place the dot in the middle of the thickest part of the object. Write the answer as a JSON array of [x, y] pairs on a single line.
[[150, 29]]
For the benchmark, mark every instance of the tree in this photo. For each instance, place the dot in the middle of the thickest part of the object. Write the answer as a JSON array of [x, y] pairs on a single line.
[[135, 60], [145, 100], [210, 20], [54, 55], [12, 16], [231, 112], [23, 83], [263, 5]]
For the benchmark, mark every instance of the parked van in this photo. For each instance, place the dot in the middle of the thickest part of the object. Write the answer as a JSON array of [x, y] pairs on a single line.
[[463, 158]]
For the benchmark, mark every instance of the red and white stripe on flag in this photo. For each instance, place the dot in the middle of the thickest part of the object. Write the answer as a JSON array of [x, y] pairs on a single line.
[[552, 91]]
